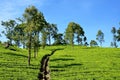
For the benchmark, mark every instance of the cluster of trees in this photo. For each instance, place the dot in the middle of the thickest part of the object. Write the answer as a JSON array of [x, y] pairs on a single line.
[[100, 38], [32, 31], [73, 31]]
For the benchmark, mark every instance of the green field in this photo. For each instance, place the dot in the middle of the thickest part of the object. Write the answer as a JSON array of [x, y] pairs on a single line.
[[72, 63]]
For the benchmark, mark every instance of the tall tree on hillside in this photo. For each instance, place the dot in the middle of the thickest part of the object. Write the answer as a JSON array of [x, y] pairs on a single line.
[[100, 37], [29, 14], [35, 22], [69, 34], [113, 31], [39, 23], [72, 29], [52, 31], [9, 29]]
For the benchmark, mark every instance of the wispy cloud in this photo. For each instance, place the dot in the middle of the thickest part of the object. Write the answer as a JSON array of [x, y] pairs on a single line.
[[11, 8]]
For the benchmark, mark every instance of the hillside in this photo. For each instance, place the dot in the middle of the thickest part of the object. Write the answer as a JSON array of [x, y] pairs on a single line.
[[72, 63]]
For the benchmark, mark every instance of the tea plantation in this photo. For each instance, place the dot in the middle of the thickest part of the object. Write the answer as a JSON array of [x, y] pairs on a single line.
[[72, 63]]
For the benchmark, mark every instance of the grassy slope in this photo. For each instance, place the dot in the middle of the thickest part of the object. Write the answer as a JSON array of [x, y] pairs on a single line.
[[72, 63]]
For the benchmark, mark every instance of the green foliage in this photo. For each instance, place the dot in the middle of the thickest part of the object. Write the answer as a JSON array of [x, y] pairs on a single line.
[[9, 29], [35, 23], [72, 29], [118, 36], [52, 30], [100, 37], [44, 38], [113, 31], [93, 43], [72, 63], [59, 39]]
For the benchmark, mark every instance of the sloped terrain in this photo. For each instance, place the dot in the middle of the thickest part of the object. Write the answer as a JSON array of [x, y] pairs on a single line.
[[72, 63]]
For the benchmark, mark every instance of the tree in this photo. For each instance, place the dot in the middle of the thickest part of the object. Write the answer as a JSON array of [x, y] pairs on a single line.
[[52, 30], [39, 23], [35, 22], [44, 38], [93, 43], [72, 30], [100, 37], [19, 29], [113, 31], [9, 29], [80, 34], [58, 39], [16, 37], [36, 44], [69, 34], [29, 14]]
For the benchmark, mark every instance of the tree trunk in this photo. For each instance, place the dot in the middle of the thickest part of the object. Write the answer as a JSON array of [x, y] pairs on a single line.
[[35, 51], [29, 49], [49, 40], [36, 44]]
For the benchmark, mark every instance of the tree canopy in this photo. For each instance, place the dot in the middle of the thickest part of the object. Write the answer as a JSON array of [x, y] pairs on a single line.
[[72, 30], [93, 43], [100, 37]]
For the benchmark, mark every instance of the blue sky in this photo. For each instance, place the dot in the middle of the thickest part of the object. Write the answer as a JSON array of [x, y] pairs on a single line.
[[92, 15]]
